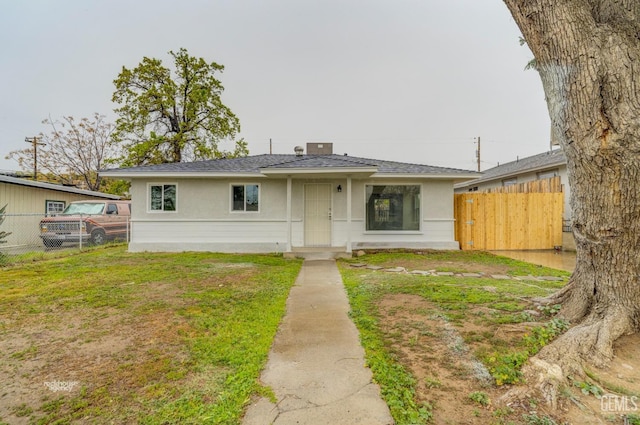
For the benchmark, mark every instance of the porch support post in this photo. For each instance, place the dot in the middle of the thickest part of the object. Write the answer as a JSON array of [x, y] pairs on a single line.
[[289, 214], [349, 215]]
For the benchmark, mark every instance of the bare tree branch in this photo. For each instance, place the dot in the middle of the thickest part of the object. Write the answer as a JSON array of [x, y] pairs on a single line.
[[74, 149]]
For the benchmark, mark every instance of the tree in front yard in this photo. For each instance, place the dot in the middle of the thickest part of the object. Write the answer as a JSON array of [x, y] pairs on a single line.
[[173, 117], [588, 55]]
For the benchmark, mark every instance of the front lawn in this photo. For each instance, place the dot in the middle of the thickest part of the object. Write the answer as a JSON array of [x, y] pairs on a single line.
[[443, 348], [107, 336]]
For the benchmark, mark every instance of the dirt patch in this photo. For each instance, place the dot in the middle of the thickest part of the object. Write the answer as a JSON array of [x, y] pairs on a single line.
[[91, 352], [434, 350], [625, 367], [440, 355], [621, 387]]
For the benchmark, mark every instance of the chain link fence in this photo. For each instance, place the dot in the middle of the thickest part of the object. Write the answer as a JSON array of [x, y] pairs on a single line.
[[27, 233]]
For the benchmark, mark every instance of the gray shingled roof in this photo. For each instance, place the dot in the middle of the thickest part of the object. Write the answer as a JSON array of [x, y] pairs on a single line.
[[57, 187], [253, 164], [522, 165]]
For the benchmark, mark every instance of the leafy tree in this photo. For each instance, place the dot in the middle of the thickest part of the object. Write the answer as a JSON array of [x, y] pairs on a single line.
[[116, 187], [587, 53], [173, 117], [74, 149]]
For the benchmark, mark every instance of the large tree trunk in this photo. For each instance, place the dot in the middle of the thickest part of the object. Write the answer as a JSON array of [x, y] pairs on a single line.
[[588, 56]]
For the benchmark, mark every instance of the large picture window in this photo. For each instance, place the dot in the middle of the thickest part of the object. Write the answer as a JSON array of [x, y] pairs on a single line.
[[245, 197], [393, 207], [162, 197]]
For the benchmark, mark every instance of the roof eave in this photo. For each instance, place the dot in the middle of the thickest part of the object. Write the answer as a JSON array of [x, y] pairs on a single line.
[[59, 188], [517, 173], [443, 176], [178, 174]]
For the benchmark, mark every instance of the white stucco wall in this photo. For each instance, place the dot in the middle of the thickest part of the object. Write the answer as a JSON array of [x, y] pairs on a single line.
[[204, 220]]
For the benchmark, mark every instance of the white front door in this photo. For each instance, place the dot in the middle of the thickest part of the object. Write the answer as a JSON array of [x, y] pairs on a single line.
[[317, 214]]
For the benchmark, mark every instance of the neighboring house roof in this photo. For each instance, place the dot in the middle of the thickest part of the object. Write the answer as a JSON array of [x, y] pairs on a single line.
[[289, 164], [57, 187], [538, 162]]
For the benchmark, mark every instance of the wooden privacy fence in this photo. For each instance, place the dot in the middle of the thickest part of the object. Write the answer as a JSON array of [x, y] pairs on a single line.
[[501, 221], [551, 184]]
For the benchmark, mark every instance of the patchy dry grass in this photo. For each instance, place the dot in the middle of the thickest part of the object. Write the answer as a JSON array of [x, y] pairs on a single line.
[[459, 262], [456, 344], [107, 336]]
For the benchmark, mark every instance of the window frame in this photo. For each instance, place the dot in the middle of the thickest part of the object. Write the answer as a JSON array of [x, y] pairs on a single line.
[[111, 204], [149, 200], [417, 213], [46, 206], [231, 198]]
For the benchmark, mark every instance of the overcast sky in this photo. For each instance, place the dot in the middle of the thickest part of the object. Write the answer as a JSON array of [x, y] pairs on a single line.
[[406, 80]]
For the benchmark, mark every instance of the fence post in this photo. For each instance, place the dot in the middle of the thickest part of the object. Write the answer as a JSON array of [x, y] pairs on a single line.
[[80, 232]]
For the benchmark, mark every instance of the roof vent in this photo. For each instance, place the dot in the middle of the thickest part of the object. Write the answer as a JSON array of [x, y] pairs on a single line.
[[299, 150]]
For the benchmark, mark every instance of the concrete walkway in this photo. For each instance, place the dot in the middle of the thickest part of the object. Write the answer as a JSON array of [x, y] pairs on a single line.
[[316, 365]]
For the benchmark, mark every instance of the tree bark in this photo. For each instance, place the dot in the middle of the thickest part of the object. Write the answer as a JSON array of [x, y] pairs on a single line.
[[588, 57]]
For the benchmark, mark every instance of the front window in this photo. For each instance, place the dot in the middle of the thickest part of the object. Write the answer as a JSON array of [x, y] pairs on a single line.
[[393, 207], [163, 197], [245, 197]]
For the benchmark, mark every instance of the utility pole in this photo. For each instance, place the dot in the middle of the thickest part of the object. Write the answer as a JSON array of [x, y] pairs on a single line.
[[478, 153], [34, 141]]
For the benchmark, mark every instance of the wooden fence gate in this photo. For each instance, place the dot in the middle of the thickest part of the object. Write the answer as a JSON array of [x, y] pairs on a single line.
[[503, 221]]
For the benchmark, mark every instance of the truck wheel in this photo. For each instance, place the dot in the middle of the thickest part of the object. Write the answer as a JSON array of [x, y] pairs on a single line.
[[98, 237]]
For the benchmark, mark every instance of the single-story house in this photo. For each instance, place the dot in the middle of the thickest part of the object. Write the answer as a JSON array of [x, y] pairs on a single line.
[[284, 203], [29, 201]]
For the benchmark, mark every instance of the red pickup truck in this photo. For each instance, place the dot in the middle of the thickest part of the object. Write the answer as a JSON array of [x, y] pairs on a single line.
[[90, 221]]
